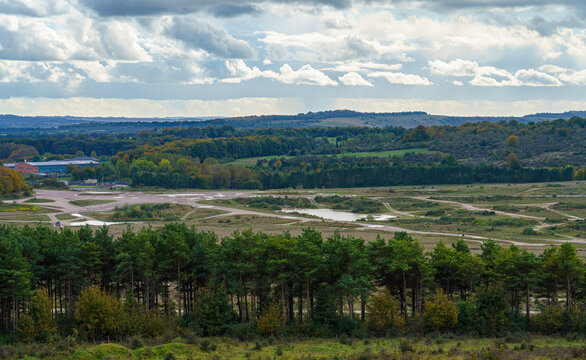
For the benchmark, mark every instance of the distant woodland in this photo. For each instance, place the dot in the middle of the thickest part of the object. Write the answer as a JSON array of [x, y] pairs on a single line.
[[208, 157]]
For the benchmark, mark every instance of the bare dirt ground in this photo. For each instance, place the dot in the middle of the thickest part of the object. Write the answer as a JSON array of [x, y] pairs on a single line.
[[471, 207], [62, 201]]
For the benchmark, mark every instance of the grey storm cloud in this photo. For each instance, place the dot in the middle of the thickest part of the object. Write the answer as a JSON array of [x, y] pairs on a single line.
[[547, 27], [229, 8], [217, 7], [232, 10], [18, 45], [36, 9], [203, 36]]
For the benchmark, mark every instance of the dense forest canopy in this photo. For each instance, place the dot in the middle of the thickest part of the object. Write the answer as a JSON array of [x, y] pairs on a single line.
[[212, 284], [180, 157]]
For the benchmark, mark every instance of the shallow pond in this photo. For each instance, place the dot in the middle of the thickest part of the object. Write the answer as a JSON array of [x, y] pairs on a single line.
[[337, 215], [90, 222]]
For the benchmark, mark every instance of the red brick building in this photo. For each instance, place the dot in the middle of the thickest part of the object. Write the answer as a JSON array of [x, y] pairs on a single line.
[[25, 168]]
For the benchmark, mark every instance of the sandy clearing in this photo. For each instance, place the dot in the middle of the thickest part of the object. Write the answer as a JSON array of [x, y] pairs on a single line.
[[62, 201], [471, 207]]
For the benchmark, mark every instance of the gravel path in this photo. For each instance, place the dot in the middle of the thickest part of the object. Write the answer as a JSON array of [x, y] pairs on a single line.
[[119, 199], [471, 207]]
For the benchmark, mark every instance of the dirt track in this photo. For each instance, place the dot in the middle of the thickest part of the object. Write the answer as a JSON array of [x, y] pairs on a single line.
[[471, 207], [62, 201]]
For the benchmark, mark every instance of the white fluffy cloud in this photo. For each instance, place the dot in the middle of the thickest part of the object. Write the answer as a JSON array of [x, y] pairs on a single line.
[[401, 78], [492, 76], [305, 75], [335, 45], [357, 66], [215, 41], [195, 48], [16, 71], [354, 79], [36, 8], [569, 76]]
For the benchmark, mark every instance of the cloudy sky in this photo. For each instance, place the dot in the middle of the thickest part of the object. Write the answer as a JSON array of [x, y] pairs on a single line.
[[240, 57]]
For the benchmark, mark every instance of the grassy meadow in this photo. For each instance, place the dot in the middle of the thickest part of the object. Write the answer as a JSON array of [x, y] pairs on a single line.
[[429, 347]]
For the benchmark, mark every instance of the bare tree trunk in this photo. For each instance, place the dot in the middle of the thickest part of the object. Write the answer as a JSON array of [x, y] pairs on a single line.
[[351, 307], [527, 314], [283, 304], [239, 307], [246, 305], [568, 291], [413, 300], [300, 303], [308, 300], [405, 295], [179, 288], [291, 315], [555, 291], [69, 293], [420, 305], [132, 282]]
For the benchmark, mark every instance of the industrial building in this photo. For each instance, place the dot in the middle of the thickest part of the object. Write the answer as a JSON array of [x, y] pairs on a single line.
[[53, 166]]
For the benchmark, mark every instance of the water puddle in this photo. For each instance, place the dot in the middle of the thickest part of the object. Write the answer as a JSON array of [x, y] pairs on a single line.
[[90, 222], [93, 223], [337, 215]]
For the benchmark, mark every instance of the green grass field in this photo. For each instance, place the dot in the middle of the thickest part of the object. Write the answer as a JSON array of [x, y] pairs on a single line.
[[144, 212], [202, 213], [64, 217], [84, 203], [383, 154], [439, 347], [38, 201], [15, 207]]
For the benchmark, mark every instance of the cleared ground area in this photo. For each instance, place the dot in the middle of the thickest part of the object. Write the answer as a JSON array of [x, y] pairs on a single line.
[[530, 215]]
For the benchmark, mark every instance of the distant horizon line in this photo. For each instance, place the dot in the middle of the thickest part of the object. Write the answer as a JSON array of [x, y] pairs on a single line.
[[219, 117]]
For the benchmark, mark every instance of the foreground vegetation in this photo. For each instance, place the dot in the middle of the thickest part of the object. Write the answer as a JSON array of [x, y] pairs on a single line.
[[84, 286], [188, 346]]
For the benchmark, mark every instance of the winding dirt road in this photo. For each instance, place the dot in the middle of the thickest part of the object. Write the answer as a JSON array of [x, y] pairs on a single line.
[[62, 200], [471, 207]]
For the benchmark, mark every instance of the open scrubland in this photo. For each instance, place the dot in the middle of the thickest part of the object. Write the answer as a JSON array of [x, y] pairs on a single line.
[[533, 216]]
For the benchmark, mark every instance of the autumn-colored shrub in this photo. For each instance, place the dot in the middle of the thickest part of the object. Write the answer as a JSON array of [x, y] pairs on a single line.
[[271, 320], [99, 316], [384, 314], [441, 313], [38, 324]]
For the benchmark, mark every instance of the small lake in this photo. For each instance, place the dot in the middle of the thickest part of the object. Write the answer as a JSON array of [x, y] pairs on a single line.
[[337, 215]]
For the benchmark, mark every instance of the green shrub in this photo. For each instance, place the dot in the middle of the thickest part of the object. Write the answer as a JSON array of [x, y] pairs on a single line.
[[348, 326], [243, 331], [206, 346], [213, 313], [466, 317], [26, 328], [345, 340], [490, 308], [405, 346]]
